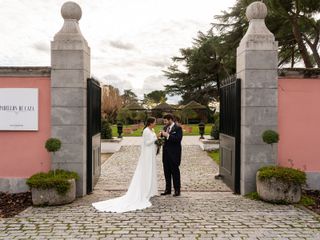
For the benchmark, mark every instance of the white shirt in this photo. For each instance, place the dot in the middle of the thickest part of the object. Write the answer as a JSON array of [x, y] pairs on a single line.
[[170, 128]]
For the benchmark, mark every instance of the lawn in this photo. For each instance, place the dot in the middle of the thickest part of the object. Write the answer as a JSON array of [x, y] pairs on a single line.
[[215, 155], [138, 132]]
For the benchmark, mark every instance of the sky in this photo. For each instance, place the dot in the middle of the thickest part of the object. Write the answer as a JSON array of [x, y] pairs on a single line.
[[131, 41]]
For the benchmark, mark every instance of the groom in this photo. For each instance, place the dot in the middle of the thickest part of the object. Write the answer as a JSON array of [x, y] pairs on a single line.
[[171, 157]]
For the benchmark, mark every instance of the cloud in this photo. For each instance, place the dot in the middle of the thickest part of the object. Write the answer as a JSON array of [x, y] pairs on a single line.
[[122, 45], [42, 47], [157, 82], [157, 62], [154, 82], [173, 99], [116, 82], [150, 83], [111, 77], [129, 48]]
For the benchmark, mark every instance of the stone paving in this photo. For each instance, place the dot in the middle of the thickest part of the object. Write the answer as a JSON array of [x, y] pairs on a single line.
[[197, 170], [206, 210]]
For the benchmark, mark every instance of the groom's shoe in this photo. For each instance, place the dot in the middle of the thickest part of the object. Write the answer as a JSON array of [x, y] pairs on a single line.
[[165, 193], [176, 193]]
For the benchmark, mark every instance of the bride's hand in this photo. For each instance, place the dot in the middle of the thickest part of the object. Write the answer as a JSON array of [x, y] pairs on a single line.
[[165, 134]]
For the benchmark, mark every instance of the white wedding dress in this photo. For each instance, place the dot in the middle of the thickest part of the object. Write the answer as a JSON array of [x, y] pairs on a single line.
[[144, 183]]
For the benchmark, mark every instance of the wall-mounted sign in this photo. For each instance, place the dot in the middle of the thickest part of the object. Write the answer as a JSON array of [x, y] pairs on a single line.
[[19, 109]]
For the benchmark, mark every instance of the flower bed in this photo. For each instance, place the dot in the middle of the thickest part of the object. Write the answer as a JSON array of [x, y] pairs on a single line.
[[188, 130], [12, 204], [315, 196]]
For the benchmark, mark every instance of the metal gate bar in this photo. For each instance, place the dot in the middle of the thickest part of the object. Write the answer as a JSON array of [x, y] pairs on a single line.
[[230, 112], [93, 132]]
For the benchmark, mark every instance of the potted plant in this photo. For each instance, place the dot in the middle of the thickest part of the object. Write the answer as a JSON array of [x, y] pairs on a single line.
[[278, 184], [56, 187]]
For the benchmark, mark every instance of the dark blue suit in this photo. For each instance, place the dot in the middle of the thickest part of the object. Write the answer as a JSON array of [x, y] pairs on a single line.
[[171, 158]]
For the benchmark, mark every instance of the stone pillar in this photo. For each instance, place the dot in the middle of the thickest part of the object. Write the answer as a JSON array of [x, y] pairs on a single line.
[[257, 63], [70, 61]]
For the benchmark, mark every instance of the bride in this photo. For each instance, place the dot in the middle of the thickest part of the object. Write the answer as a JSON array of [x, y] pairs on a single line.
[[143, 185]]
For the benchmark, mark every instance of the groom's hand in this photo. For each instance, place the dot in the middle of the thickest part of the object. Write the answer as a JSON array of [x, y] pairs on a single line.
[[165, 134]]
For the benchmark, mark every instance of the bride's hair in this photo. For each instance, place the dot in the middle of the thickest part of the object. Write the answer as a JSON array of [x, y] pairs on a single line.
[[149, 121]]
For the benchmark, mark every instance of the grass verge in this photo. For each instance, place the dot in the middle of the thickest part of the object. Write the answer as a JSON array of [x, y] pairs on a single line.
[[215, 155], [138, 132]]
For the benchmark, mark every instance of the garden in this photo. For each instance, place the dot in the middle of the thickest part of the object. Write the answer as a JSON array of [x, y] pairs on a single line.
[[135, 130]]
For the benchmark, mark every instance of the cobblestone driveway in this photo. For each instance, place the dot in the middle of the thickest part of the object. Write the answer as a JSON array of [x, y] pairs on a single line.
[[197, 170], [206, 210]]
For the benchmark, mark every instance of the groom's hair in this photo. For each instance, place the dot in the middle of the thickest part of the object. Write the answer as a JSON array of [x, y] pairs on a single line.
[[168, 116]]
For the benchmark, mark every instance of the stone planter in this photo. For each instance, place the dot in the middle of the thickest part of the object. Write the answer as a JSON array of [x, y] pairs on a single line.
[[277, 191], [209, 144], [51, 197], [113, 140], [110, 145]]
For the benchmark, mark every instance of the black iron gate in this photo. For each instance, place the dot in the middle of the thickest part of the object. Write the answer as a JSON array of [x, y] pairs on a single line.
[[93, 133], [230, 102]]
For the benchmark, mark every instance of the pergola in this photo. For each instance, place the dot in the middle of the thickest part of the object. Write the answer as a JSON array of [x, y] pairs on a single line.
[[137, 107], [200, 109], [161, 108], [164, 106], [194, 106]]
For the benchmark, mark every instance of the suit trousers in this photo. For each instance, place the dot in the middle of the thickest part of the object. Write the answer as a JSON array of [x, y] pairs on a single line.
[[171, 172]]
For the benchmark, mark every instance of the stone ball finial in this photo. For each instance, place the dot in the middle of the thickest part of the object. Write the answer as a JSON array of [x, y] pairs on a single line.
[[71, 10], [256, 10]]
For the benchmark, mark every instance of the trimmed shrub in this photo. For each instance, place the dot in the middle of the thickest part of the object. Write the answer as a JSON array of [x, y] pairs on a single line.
[[215, 129], [53, 179], [53, 145], [106, 131], [284, 174], [270, 137], [216, 116]]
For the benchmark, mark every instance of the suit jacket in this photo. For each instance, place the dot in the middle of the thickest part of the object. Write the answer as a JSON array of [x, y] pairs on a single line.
[[172, 146]]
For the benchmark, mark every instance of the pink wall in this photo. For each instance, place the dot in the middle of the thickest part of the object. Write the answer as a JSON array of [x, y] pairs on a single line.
[[299, 123], [22, 153]]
